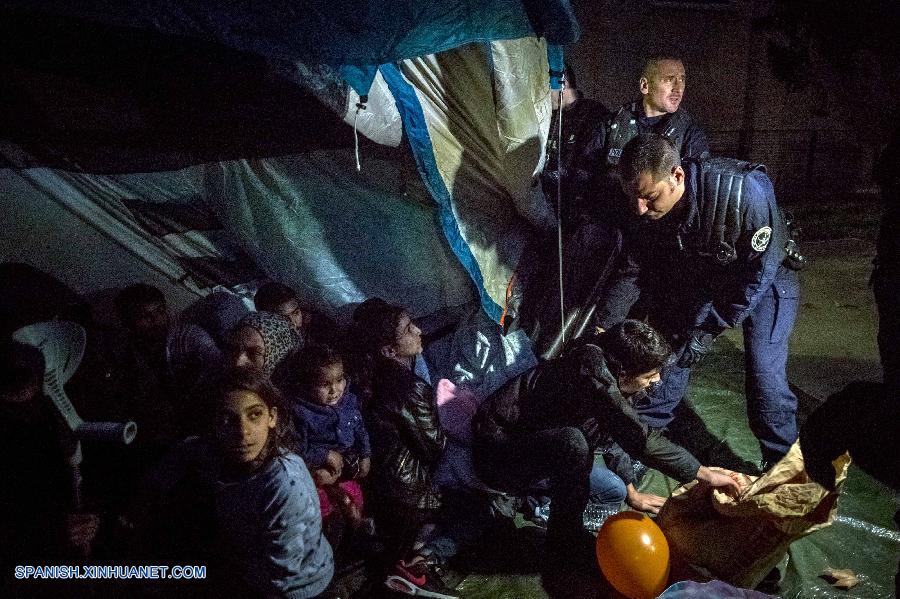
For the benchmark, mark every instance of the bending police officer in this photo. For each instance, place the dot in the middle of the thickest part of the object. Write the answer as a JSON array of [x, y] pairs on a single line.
[[708, 254]]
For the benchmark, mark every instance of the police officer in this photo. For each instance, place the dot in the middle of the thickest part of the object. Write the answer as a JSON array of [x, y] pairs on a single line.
[[709, 253], [581, 119], [658, 110]]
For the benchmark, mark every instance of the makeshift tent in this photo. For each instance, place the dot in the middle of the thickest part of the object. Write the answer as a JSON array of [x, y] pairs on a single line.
[[108, 119]]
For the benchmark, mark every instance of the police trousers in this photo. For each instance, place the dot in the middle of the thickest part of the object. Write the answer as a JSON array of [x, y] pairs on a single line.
[[771, 405]]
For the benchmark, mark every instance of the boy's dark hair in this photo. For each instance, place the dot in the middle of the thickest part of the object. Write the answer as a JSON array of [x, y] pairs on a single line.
[[302, 367], [137, 294], [256, 382], [21, 366], [648, 152], [633, 347], [271, 295]]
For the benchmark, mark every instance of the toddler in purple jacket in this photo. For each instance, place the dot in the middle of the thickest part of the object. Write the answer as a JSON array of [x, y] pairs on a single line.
[[333, 437]]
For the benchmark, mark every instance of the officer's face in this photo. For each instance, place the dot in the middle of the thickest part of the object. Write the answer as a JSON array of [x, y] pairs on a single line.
[[654, 199], [663, 87]]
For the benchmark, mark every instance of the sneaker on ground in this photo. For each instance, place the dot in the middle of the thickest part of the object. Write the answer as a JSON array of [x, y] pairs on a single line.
[[419, 579]]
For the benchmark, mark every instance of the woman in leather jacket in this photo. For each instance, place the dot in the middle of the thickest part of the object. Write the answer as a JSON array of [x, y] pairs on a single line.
[[406, 437]]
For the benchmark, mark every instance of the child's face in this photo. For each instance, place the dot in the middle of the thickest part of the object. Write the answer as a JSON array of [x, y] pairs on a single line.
[[330, 384], [243, 424], [292, 311]]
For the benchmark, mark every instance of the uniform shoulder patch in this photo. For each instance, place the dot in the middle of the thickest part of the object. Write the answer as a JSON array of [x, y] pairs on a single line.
[[760, 240]]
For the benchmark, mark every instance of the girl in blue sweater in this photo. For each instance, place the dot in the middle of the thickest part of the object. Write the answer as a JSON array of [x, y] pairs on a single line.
[[267, 518]]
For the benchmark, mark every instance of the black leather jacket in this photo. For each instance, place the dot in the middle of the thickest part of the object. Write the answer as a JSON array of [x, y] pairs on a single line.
[[577, 390], [406, 436]]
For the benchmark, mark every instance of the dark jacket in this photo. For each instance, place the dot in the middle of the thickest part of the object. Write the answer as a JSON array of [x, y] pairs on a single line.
[[595, 171], [407, 440], [323, 428], [578, 390], [680, 288]]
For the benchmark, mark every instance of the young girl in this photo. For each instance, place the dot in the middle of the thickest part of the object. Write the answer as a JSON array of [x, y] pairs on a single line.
[[407, 443], [266, 507], [336, 443]]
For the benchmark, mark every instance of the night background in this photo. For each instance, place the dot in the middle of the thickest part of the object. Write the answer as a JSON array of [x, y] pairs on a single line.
[[810, 89]]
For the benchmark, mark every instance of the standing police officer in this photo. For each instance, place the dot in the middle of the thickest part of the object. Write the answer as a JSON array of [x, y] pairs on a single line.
[[708, 254], [581, 119], [658, 110]]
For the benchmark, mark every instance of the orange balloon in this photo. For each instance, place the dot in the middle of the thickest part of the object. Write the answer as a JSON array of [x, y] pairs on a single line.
[[634, 555]]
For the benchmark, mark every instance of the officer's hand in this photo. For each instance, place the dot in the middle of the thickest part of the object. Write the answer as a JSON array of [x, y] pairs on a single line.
[[697, 346]]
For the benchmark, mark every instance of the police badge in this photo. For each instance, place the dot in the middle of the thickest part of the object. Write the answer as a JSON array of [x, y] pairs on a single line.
[[760, 240]]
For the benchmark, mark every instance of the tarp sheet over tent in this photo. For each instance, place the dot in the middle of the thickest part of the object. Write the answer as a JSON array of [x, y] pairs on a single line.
[[475, 115]]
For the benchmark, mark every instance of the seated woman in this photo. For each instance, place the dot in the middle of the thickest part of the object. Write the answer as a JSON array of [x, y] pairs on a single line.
[[266, 509], [407, 442], [546, 424], [336, 444], [261, 340]]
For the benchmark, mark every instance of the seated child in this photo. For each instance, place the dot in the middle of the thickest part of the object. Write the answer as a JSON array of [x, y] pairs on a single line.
[[266, 509], [310, 326], [328, 419]]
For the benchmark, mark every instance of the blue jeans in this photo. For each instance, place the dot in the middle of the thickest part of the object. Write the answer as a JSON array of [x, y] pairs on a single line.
[[606, 487]]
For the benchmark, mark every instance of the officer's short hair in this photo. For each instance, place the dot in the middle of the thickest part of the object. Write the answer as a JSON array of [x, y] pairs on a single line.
[[633, 347], [648, 152], [652, 62]]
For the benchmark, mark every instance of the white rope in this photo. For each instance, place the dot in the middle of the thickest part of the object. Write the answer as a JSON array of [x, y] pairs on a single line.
[[356, 136], [559, 207]]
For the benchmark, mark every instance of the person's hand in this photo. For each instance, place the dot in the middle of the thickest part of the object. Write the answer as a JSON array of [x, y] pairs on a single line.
[[720, 480], [644, 502], [334, 462], [81, 530], [324, 477], [698, 345], [365, 464], [352, 512]]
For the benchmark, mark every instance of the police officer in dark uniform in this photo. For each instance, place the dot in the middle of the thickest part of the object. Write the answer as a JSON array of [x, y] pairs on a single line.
[[711, 251], [581, 117], [657, 110], [534, 297]]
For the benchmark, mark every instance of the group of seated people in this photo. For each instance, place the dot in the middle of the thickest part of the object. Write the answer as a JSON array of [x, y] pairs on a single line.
[[272, 444]]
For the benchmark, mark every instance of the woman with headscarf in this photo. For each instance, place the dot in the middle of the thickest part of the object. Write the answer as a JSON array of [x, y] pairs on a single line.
[[261, 340]]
